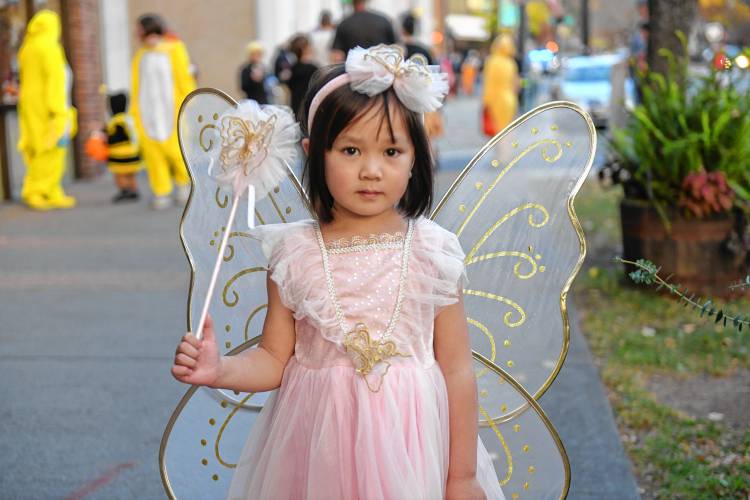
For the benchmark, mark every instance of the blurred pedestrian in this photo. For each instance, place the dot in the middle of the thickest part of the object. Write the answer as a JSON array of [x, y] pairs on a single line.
[[282, 70], [412, 45], [47, 121], [253, 74], [321, 39], [470, 71], [433, 120], [500, 100], [302, 70], [160, 81], [363, 28]]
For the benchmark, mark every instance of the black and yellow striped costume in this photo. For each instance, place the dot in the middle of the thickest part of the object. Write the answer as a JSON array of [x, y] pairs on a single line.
[[124, 155]]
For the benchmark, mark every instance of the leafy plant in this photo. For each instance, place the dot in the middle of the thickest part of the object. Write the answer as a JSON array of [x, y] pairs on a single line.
[[684, 125], [647, 273]]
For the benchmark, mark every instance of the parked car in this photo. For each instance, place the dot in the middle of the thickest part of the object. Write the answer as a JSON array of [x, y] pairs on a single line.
[[587, 81]]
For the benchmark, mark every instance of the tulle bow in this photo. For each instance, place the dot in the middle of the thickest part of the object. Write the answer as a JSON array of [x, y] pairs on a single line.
[[420, 87]]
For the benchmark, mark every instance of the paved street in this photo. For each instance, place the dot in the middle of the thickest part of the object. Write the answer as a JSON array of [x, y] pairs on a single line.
[[92, 303]]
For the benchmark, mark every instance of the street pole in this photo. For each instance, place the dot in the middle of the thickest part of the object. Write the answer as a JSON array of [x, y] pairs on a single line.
[[585, 26]]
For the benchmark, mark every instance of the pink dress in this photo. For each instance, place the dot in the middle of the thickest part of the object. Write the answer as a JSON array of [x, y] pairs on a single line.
[[329, 432]]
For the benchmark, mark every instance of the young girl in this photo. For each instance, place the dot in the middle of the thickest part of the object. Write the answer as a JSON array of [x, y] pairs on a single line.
[[365, 335]]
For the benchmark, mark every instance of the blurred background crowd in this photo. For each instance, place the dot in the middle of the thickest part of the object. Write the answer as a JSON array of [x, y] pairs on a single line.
[[512, 55]]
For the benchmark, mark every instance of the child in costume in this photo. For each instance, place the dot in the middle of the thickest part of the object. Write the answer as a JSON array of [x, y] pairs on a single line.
[[365, 334], [160, 80], [123, 158]]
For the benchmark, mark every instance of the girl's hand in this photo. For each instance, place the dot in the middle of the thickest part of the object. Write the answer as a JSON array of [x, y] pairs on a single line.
[[197, 362], [464, 489]]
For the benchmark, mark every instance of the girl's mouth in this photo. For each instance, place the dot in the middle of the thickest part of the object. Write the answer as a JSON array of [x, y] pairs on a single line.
[[365, 193]]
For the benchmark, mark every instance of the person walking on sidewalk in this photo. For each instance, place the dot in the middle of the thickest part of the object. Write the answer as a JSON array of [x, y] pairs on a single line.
[[47, 121], [501, 83], [161, 80], [363, 28]]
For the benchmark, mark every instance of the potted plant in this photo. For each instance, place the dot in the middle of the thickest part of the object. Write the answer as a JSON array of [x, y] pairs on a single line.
[[683, 161]]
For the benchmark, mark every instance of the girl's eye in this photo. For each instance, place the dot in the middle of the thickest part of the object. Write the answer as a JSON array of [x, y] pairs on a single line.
[[350, 151], [392, 152]]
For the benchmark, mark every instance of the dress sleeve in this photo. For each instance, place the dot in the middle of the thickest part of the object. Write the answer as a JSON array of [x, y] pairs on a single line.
[[439, 272], [287, 248]]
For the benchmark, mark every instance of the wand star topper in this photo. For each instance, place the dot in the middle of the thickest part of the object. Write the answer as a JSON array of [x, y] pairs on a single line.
[[258, 146]]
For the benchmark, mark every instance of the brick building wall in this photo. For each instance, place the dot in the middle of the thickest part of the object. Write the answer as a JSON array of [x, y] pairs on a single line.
[[81, 31]]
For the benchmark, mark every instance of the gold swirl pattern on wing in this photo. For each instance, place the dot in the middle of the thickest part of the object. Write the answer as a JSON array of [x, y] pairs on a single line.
[[211, 141], [507, 216], [488, 420], [217, 452], [276, 206], [508, 316], [230, 282], [230, 247], [516, 269], [493, 348], [544, 152], [225, 202], [251, 316]]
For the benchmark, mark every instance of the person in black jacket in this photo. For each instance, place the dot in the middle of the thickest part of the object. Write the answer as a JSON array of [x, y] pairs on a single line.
[[253, 74], [363, 28], [302, 70]]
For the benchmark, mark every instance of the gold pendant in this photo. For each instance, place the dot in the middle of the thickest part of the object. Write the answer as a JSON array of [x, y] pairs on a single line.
[[367, 353]]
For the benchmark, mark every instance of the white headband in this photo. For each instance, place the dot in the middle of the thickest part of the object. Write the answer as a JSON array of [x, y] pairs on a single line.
[[419, 87]]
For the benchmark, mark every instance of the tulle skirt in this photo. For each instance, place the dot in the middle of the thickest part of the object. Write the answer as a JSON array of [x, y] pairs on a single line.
[[325, 436]]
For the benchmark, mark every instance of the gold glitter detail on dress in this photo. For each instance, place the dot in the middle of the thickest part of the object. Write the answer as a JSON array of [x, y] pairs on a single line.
[[368, 352]]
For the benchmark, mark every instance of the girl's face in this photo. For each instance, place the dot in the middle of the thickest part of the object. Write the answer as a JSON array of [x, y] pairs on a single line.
[[366, 171]]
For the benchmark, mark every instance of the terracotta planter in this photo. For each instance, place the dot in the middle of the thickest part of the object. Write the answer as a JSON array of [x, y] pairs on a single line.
[[694, 252]]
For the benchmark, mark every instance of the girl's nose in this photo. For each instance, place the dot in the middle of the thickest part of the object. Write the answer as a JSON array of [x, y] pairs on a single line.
[[370, 169]]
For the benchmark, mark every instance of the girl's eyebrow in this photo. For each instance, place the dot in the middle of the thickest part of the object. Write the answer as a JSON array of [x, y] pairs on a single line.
[[348, 138]]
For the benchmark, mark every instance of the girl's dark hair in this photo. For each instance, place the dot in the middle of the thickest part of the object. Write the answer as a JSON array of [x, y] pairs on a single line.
[[342, 108]]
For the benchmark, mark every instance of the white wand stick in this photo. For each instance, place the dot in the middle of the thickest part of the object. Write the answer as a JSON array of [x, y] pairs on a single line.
[[217, 266]]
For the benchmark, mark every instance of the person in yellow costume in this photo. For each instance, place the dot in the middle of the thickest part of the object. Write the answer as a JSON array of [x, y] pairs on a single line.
[[47, 120], [501, 83], [161, 79]]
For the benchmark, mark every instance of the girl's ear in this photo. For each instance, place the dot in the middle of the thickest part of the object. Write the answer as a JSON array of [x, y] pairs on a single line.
[[306, 145]]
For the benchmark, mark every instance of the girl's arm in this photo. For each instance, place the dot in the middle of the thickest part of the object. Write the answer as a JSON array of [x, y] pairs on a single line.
[[453, 354], [253, 370]]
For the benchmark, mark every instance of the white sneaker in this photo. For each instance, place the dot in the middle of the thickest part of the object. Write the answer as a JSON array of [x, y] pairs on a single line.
[[182, 193], [161, 202]]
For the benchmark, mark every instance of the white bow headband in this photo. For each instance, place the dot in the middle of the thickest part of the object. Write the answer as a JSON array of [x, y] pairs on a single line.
[[419, 87]]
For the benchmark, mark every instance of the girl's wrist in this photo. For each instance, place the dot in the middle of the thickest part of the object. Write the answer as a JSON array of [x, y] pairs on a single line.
[[220, 369]]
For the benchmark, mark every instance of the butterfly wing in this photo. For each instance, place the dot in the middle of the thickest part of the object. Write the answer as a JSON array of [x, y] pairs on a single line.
[[512, 209], [207, 430]]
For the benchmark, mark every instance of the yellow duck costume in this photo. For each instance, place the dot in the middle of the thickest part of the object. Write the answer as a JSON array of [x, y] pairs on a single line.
[[46, 118], [160, 81], [501, 82]]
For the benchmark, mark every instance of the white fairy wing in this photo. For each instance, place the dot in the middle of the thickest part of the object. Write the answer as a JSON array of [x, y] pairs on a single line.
[[205, 435], [512, 209]]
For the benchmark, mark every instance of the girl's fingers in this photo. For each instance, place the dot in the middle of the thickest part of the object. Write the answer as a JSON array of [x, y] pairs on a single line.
[[187, 348], [184, 360], [181, 372], [192, 340], [208, 329]]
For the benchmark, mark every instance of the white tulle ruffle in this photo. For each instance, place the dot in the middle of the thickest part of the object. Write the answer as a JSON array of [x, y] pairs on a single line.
[[421, 88]]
